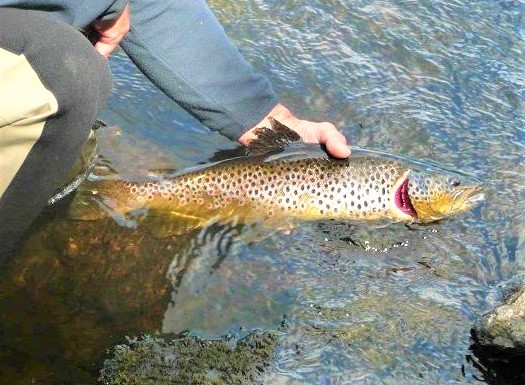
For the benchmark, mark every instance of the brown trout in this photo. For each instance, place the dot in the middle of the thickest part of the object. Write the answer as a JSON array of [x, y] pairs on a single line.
[[299, 183]]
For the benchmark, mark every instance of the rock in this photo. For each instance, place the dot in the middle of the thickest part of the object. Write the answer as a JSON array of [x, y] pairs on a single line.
[[190, 360], [499, 339]]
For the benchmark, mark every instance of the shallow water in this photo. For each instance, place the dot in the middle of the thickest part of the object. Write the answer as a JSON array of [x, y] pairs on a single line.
[[440, 80]]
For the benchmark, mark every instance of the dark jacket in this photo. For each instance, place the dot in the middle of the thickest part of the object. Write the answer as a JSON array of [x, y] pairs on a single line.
[[180, 46]]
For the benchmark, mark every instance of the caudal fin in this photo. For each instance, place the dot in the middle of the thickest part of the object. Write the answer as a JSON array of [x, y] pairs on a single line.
[[94, 200]]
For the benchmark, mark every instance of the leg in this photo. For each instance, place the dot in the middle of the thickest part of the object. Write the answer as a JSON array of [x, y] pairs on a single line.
[[52, 86]]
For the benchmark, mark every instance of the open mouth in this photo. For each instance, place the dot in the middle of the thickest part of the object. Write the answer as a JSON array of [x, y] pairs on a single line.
[[403, 200]]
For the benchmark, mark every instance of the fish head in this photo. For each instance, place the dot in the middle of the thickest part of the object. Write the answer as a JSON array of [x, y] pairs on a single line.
[[433, 195]]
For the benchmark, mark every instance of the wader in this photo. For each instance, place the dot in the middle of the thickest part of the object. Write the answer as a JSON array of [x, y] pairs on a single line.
[[52, 86]]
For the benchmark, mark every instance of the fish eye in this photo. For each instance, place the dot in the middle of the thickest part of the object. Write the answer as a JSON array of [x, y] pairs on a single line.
[[454, 182]]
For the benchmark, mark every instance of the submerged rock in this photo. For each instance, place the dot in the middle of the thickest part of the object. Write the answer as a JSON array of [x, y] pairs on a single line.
[[189, 360], [499, 339]]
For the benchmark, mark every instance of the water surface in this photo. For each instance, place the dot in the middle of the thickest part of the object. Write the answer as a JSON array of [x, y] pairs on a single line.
[[440, 80]]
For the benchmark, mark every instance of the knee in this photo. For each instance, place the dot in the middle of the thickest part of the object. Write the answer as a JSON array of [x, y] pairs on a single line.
[[77, 75], [65, 61]]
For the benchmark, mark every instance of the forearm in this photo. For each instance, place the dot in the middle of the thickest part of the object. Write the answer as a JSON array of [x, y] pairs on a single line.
[[182, 48]]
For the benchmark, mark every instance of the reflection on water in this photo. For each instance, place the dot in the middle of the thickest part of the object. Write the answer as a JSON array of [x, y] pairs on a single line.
[[429, 79]]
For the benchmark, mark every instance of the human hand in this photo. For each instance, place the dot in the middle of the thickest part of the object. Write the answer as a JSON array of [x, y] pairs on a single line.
[[111, 31], [311, 132]]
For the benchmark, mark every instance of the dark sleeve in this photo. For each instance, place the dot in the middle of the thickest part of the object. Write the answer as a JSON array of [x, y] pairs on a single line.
[[76, 13], [182, 49]]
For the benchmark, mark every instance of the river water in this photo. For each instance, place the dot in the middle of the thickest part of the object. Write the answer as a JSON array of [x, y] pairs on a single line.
[[439, 80]]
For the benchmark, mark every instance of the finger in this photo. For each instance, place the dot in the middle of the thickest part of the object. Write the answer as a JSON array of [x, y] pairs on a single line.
[[107, 44], [335, 143], [105, 49]]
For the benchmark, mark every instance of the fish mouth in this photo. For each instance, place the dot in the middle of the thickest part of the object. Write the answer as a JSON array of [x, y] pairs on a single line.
[[402, 200], [468, 197]]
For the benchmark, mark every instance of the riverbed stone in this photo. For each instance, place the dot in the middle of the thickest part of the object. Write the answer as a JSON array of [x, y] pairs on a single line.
[[190, 360], [499, 338]]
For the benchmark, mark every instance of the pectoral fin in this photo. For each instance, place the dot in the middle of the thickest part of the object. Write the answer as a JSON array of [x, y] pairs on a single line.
[[163, 224]]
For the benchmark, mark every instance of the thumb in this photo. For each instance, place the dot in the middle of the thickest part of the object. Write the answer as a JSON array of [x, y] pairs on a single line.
[[105, 46], [335, 143]]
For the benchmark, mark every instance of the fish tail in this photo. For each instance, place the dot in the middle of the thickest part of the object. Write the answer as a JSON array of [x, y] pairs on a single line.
[[94, 200]]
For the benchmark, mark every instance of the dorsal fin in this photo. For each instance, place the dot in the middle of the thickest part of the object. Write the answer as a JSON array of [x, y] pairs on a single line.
[[271, 139]]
